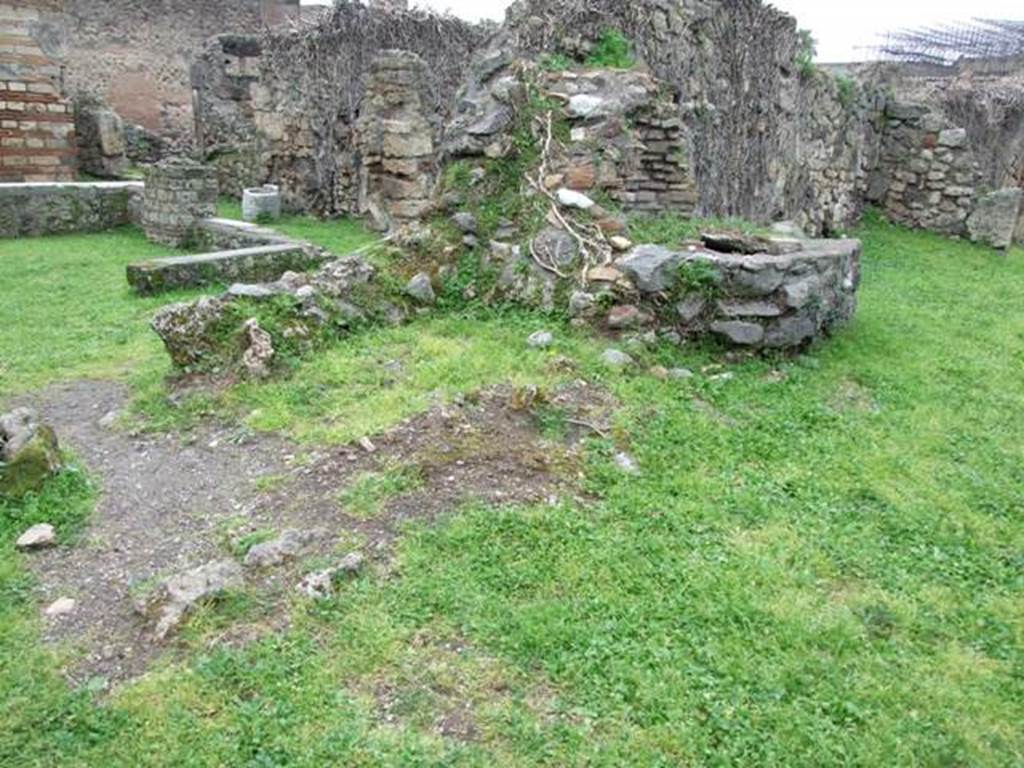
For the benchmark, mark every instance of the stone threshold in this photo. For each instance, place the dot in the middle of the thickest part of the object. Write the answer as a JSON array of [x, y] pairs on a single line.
[[264, 256]]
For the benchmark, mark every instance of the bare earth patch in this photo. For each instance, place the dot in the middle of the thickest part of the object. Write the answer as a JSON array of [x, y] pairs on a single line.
[[171, 503]]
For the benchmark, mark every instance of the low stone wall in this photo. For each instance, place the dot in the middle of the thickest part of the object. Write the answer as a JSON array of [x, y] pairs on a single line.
[[239, 252], [60, 208], [258, 264], [781, 300]]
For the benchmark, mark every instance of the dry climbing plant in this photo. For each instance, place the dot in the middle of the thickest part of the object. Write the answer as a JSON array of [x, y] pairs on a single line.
[[317, 74]]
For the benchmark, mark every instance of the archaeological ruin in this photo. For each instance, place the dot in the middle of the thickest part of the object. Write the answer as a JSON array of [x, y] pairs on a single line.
[[527, 145]]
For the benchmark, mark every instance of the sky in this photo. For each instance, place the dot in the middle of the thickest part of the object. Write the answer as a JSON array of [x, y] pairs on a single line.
[[845, 31]]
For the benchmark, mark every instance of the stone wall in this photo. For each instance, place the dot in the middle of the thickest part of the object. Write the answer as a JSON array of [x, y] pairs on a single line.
[[767, 141], [134, 55], [927, 174], [37, 141], [63, 208], [289, 102], [224, 77]]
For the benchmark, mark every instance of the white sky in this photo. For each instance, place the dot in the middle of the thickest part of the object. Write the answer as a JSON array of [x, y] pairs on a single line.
[[844, 30]]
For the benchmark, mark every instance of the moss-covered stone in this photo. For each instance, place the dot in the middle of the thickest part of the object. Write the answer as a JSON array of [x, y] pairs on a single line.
[[29, 467]]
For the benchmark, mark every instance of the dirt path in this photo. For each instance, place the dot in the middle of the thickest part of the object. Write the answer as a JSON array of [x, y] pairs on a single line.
[[172, 502]]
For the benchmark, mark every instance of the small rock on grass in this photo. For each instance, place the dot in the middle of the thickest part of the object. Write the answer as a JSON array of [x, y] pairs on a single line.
[[614, 358], [320, 585], [465, 222], [176, 596], [37, 537], [420, 289], [61, 607], [541, 340], [680, 373], [285, 547], [626, 463]]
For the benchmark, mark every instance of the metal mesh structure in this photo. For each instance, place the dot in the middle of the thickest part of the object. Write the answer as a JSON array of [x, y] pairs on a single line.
[[949, 43]]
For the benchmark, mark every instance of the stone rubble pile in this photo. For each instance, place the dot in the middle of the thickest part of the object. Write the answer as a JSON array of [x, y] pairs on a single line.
[[209, 334]]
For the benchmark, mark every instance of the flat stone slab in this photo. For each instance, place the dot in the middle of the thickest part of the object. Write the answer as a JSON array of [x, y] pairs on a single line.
[[258, 264]]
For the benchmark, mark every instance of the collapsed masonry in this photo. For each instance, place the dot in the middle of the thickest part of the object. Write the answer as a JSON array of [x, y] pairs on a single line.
[[741, 130]]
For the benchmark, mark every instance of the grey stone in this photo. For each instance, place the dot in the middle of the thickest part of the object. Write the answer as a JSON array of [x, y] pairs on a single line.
[[254, 264], [496, 119], [581, 303], [541, 340], [614, 358], [259, 351], [738, 332], [798, 294], [557, 247], [994, 220], [37, 537], [289, 545], [651, 267], [733, 308], [788, 229], [791, 332], [954, 138], [251, 291], [320, 585], [583, 105], [626, 463], [63, 606], [29, 453], [905, 111], [175, 597], [420, 289], [680, 374], [465, 222], [573, 199], [762, 282], [691, 307]]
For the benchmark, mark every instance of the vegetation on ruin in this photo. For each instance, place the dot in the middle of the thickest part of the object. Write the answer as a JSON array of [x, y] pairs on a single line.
[[819, 562], [612, 50], [807, 51]]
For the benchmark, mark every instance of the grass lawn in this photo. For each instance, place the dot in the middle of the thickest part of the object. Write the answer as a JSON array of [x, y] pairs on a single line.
[[820, 563]]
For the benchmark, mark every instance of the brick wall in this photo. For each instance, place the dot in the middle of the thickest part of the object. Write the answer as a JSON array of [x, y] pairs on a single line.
[[37, 141], [133, 56]]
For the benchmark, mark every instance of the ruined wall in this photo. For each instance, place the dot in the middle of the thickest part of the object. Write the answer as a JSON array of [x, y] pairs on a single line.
[[134, 55], [294, 123], [949, 137], [224, 76], [37, 140], [63, 208], [768, 142]]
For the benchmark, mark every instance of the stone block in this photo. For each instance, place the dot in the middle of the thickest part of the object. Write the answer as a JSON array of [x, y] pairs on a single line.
[[995, 217]]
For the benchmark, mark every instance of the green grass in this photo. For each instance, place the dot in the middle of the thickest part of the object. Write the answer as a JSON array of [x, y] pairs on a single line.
[[370, 381], [365, 497], [669, 230], [67, 311], [820, 565], [339, 236]]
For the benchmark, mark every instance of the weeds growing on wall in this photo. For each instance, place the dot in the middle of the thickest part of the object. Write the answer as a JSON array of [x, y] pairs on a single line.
[[611, 51], [806, 53]]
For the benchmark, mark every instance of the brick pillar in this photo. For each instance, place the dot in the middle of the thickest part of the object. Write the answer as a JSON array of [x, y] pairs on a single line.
[[179, 193]]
